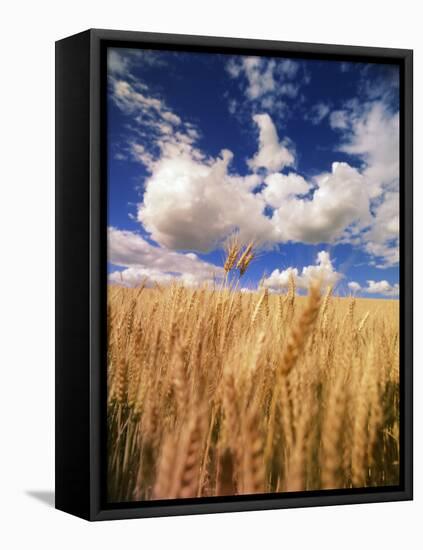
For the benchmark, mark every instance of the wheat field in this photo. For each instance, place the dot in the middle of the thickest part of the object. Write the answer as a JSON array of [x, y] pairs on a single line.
[[213, 391]]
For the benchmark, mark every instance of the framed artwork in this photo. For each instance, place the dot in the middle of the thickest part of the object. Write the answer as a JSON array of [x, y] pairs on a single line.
[[233, 274]]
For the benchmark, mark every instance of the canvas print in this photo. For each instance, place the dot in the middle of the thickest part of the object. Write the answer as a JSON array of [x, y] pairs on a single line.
[[253, 275]]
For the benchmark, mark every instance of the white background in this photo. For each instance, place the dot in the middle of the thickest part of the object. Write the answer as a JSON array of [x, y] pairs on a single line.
[[28, 32]]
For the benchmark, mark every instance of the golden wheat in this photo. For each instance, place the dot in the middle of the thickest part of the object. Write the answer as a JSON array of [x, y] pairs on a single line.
[[216, 392]]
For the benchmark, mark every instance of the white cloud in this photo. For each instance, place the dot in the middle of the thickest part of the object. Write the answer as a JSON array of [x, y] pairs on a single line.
[[171, 117], [145, 261], [382, 287], [272, 155], [322, 272], [260, 76], [354, 286], [280, 187], [376, 287], [279, 279], [193, 204], [373, 136], [318, 112], [382, 240], [339, 200]]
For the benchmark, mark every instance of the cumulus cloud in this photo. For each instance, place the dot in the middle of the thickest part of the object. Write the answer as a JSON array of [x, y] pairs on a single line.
[[382, 240], [281, 187], [376, 287], [382, 287], [279, 279], [322, 271], [339, 200], [152, 263], [354, 286], [372, 135], [374, 138], [272, 155], [193, 204]]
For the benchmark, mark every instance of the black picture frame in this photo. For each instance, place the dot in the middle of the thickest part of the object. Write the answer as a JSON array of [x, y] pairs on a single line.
[[81, 279]]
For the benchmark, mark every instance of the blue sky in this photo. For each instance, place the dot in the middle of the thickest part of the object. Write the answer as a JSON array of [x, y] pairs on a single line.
[[301, 156]]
